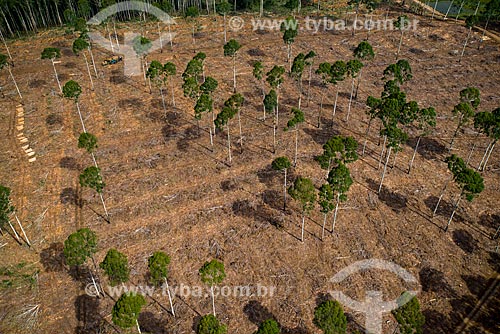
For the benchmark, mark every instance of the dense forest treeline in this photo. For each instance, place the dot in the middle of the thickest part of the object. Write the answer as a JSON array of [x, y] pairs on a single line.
[[19, 17]]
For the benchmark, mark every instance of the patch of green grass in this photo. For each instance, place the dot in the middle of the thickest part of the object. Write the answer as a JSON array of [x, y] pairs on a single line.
[[21, 274]]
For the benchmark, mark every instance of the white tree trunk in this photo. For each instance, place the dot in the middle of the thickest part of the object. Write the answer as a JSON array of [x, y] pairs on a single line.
[[93, 62], [225, 31], [441, 196], [173, 95], [366, 135], [309, 85], [335, 104], [484, 156], [459, 10], [161, 41], [22, 229], [296, 145], [448, 10], [241, 136], [234, 73], [414, 154], [138, 327], [323, 228], [486, 162], [14, 230], [15, 83], [170, 298], [303, 225], [400, 42], [57, 78], [284, 193], [81, 118], [465, 44], [213, 298], [350, 101], [453, 213], [228, 143], [382, 153], [335, 213], [385, 169], [88, 70]]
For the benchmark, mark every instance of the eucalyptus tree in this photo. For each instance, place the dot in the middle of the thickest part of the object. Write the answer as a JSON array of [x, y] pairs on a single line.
[[326, 203], [231, 108], [72, 91], [169, 70], [78, 247], [289, 27], [309, 59], [353, 66], [489, 124], [455, 165], [208, 87], [296, 73], [401, 24], [212, 273], [330, 318], [408, 315], [282, 164], [88, 142], [275, 79], [331, 74], [141, 46], [426, 121], [209, 324], [201, 56], [79, 45], [364, 52], [157, 75], [469, 182], [470, 22], [223, 8], [158, 270], [470, 98], [270, 104], [91, 177], [400, 72], [269, 326], [340, 181], [304, 192], [115, 266], [258, 74], [52, 54], [126, 310], [6, 210], [395, 137], [231, 50], [369, 4], [337, 150], [298, 117], [4, 62]]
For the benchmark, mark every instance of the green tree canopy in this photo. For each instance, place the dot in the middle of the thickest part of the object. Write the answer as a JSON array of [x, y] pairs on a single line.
[[79, 246], [400, 72], [269, 326], [209, 86], [408, 314], [115, 265], [304, 192], [258, 70], [338, 149], [87, 141], [51, 53], [158, 267], [469, 181], [330, 318], [297, 118], [79, 45], [126, 309], [209, 324], [91, 177], [281, 163], [275, 76], [212, 272], [72, 90], [271, 101], [340, 181], [203, 104], [231, 48], [364, 51], [6, 207]]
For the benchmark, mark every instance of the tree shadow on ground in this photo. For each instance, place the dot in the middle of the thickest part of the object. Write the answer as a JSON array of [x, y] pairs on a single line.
[[445, 208], [464, 240], [87, 314], [269, 176], [256, 53], [229, 185], [71, 196], [257, 313], [52, 257], [322, 135], [273, 198], [37, 83], [191, 133], [80, 274], [69, 163], [258, 212], [118, 79], [462, 306], [477, 285], [149, 323], [130, 103], [54, 120], [490, 221], [436, 322], [395, 201], [433, 280], [430, 148], [196, 322]]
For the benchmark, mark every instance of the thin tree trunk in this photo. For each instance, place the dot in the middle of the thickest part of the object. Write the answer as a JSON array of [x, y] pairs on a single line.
[[225, 31], [234, 73], [94, 283], [241, 136], [93, 62], [22, 229], [274, 138], [161, 41], [104, 205], [261, 11], [170, 298], [213, 298], [465, 44], [6, 47], [309, 85], [385, 169], [414, 154], [284, 193], [382, 153], [303, 225], [81, 118], [319, 111], [14, 230], [459, 10], [453, 213], [163, 101], [57, 78], [484, 156], [296, 145], [335, 213], [173, 96], [357, 84], [484, 32], [138, 327], [335, 104], [489, 154], [88, 70], [441, 196], [170, 37], [400, 42], [350, 101], [15, 83], [116, 36], [366, 135], [455, 134], [323, 229], [228, 143], [448, 10]]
